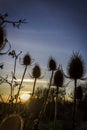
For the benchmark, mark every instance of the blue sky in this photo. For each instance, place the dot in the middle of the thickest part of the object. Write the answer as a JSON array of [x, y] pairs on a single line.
[[54, 28]]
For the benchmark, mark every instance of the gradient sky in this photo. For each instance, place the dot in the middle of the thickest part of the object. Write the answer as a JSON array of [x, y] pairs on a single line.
[[54, 28]]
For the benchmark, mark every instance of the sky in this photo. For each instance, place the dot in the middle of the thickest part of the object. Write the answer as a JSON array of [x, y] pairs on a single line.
[[54, 28]]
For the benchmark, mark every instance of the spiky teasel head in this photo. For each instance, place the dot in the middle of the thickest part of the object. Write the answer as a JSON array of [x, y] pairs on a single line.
[[52, 64], [27, 60], [36, 73], [59, 78], [76, 67], [79, 93], [2, 37]]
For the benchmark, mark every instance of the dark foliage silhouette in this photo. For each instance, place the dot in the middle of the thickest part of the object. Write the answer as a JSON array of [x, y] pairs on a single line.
[[76, 70]]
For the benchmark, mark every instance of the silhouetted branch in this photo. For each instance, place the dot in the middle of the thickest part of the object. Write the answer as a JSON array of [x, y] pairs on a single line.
[[16, 24]]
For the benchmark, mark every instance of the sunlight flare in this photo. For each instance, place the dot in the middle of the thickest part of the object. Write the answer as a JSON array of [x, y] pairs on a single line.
[[25, 97]]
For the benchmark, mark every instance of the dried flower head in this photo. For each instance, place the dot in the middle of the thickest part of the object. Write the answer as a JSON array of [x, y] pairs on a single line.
[[76, 67], [36, 71], [58, 78], [27, 60], [52, 64]]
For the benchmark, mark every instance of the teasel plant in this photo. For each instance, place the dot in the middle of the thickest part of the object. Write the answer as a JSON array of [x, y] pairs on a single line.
[[36, 74], [75, 71], [15, 56], [26, 61], [58, 82], [52, 66]]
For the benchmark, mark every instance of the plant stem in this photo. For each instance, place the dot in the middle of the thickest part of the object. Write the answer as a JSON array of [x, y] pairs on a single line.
[[34, 86], [55, 114], [21, 83], [46, 98], [74, 107]]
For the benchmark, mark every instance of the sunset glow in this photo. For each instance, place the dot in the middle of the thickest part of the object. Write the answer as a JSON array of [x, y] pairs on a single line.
[[25, 97]]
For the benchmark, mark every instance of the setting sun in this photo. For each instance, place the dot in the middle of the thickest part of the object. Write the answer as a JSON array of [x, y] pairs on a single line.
[[25, 96]]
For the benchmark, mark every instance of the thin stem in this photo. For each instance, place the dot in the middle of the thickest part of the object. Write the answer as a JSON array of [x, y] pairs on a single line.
[[46, 98], [34, 86], [13, 74], [16, 57], [55, 114], [74, 107], [21, 83]]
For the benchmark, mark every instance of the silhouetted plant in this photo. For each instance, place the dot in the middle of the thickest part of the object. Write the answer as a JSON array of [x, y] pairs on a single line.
[[76, 67], [76, 70], [36, 74], [26, 62], [52, 64], [15, 56], [12, 83], [51, 67], [58, 78], [58, 82]]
